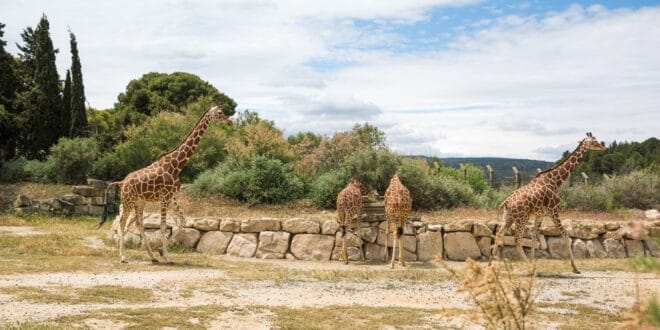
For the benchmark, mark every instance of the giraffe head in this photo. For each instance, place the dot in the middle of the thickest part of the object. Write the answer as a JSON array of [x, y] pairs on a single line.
[[216, 113], [364, 190], [591, 143]]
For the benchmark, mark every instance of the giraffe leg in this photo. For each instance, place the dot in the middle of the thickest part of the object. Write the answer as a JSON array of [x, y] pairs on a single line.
[[535, 235], [344, 249], [123, 225], [181, 220], [499, 240], [401, 257], [164, 240], [564, 235], [387, 237], [393, 250], [517, 238], [139, 215]]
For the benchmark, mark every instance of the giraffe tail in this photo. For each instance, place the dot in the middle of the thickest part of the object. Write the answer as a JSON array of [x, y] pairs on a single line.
[[104, 216]]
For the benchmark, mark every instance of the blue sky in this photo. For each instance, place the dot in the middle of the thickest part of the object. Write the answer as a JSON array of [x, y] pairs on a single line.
[[441, 77]]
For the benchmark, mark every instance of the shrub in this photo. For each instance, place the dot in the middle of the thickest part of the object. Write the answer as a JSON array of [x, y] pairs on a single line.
[[639, 189], [374, 168], [586, 198], [71, 160], [14, 170], [419, 178], [454, 192], [263, 180], [325, 188]]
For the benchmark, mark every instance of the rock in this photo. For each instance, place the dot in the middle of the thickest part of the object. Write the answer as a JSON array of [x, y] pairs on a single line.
[[272, 245], [579, 249], [484, 245], [526, 242], [72, 199], [231, 225], [652, 214], [586, 230], [458, 226], [290, 257], [207, 224], [434, 227], [480, 229], [131, 240], [87, 191], [353, 253], [259, 225], [612, 225], [92, 200], [374, 251], [152, 221], [557, 248], [301, 226], [548, 228], [409, 242], [408, 256], [616, 234], [351, 239], [369, 234], [652, 249], [510, 252], [214, 242], [188, 237], [634, 248], [418, 224], [329, 227], [429, 244], [312, 246], [595, 249], [22, 201], [614, 248], [98, 185], [243, 245], [153, 238], [89, 209], [460, 246], [408, 228]]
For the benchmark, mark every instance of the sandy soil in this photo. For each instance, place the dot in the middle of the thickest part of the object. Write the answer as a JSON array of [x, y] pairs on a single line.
[[21, 230]]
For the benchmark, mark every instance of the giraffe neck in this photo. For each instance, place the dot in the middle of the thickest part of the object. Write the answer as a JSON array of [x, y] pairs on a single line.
[[177, 158], [560, 173]]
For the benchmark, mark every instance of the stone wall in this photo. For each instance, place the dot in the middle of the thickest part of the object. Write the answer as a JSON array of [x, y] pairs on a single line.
[[313, 239], [83, 199]]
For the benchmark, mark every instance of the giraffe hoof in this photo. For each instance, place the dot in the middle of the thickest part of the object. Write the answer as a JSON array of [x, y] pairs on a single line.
[[154, 261], [576, 271], [123, 261]]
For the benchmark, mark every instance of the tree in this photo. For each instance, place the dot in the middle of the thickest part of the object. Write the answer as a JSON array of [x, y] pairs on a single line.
[[42, 123], [66, 99], [9, 85], [78, 114], [370, 135]]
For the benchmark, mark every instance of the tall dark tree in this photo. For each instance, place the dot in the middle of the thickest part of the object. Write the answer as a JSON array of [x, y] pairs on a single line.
[[9, 85], [66, 100], [78, 113], [42, 103]]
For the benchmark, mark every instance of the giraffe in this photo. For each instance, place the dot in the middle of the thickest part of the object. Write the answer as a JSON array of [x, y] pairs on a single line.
[[398, 203], [539, 198], [349, 211], [159, 182]]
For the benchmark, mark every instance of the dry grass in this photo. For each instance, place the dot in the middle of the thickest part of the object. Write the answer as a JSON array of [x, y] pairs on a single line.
[[68, 295], [9, 191], [576, 316], [485, 214]]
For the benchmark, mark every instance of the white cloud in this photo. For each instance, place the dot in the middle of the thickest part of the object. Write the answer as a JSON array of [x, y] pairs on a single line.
[[513, 87]]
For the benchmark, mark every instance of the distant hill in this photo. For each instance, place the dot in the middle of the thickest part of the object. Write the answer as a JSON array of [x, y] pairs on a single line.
[[501, 166]]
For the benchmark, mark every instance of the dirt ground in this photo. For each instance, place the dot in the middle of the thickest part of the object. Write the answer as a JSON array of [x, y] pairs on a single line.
[[226, 292]]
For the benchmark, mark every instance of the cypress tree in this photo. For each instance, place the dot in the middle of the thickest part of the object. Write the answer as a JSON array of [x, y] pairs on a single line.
[[9, 85], [78, 113], [66, 100]]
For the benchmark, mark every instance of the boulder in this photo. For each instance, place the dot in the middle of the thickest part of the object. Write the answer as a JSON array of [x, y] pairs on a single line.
[[188, 237], [429, 244], [615, 234], [548, 228], [93, 200], [409, 242], [312, 246], [634, 248], [22, 201], [369, 234], [290, 257], [153, 238], [614, 248], [132, 240], [652, 249], [301, 226], [526, 242], [329, 227], [259, 225], [243, 245], [72, 199], [586, 230], [612, 225], [84, 190], [481, 229], [408, 256], [95, 210], [595, 249], [98, 185], [214, 242], [652, 214], [353, 253], [460, 246], [434, 227], [231, 225], [458, 226], [351, 239], [272, 244], [484, 245], [557, 248], [374, 251], [152, 221], [579, 249], [207, 224], [408, 228]]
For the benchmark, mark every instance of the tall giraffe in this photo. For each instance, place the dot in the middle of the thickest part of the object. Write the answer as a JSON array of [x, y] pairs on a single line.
[[539, 198], [349, 210], [398, 203], [159, 182]]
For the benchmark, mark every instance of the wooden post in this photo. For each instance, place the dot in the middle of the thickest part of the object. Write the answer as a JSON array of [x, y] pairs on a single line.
[[516, 175], [490, 175], [464, 170], [585, 177]]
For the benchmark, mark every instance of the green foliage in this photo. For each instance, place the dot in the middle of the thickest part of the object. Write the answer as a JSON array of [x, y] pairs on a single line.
[[78, 123], [262, 181], [374, 168], [73, 159], [14, 170], [422, 181], [66, 100], [621, 158], [325, 188], [9, 85], [257, 138], [586, 198], [155, 92], [369, 135]]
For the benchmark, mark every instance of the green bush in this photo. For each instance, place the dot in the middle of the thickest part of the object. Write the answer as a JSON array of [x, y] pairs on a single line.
[[14, 170], [374, 168], [325, 188], [586, 198], [454, 192], [71, 160], [639, 189], [419, 178], [262, 181]]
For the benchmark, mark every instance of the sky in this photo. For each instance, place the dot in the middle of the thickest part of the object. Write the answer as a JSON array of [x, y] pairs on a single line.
[[464, 78]]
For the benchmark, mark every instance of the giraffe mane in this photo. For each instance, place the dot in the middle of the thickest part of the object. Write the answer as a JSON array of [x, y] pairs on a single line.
[[558, 164], [184, 139]]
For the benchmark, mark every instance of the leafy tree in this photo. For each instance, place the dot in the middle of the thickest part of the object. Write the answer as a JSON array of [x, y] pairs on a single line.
[[9, 85], [78, 113], [258, 138], [66, 98], [370, 135]]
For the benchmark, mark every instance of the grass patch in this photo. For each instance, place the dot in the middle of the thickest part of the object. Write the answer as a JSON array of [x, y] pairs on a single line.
[[585, 317], [97, 294]]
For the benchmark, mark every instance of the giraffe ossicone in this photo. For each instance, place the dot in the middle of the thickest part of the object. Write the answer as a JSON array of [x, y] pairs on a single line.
[[159, 182]]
